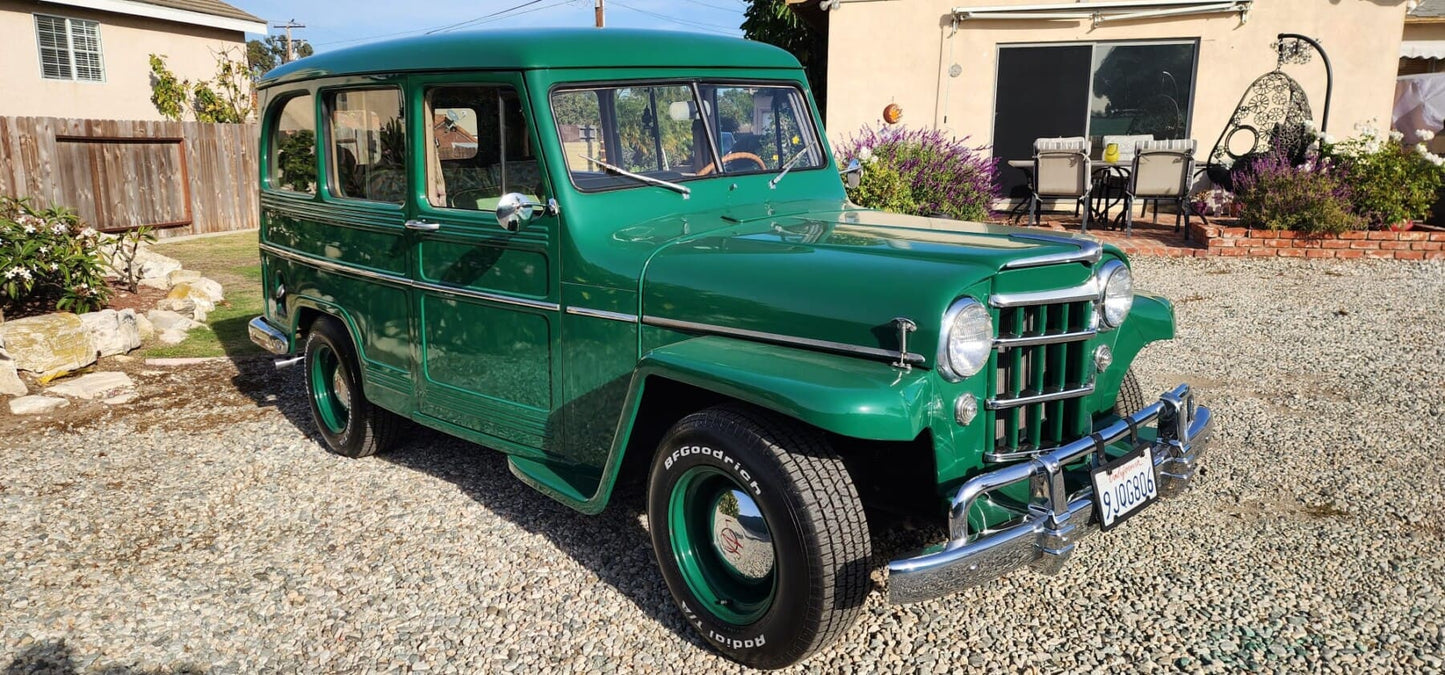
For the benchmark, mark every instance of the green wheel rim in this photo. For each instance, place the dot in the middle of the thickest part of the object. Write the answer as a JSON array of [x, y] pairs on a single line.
[[734, 596], [330, 389]]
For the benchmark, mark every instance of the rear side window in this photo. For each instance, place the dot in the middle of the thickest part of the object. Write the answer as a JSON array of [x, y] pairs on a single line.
[[479, 148], [368, 144], [293, 146]]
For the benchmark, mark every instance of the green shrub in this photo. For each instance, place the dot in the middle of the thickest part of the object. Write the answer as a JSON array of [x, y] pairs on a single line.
[[1389, 182], [48, 259], [921, 172]]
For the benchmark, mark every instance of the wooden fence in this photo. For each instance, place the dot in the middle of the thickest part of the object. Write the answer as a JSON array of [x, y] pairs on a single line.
[[178, 177]]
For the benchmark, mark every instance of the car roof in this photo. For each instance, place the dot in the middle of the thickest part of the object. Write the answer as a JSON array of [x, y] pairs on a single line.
[[536, 48]]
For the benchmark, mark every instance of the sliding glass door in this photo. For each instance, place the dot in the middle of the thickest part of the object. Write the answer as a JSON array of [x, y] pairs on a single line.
[[1090, 89]]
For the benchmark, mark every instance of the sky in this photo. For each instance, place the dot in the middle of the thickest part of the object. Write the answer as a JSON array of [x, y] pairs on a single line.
[[333, 24]]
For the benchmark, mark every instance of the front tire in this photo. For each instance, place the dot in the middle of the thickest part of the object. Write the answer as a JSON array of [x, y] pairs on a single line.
[[759, 533], [350, 425], [1131, 396]]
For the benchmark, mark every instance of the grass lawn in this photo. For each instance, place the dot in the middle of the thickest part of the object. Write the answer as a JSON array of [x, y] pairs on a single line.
[[233, 261]]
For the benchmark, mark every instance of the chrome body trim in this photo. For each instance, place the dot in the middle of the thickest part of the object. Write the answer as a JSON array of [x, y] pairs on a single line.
[[333, 266], [1088, 291], [1044, 536], [490, 297], [602, 314], [1089, 252], [790, 340], [1056, 338], [1045, 397], [268, 337]]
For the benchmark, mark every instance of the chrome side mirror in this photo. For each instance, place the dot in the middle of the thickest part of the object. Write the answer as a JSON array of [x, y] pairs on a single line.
[[852, 174], [514, 211]]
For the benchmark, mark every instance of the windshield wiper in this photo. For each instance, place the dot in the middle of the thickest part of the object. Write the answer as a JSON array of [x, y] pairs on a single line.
[[773, 184], [680, 189]]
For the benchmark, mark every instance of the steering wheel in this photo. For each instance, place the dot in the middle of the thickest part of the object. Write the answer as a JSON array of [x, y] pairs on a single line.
[[732, 156]]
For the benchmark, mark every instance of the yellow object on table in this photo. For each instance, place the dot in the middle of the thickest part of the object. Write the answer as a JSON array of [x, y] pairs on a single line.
[[1111, 153]]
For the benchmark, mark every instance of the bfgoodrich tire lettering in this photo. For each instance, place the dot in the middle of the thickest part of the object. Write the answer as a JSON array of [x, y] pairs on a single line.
[[819, 577], [349, 424]]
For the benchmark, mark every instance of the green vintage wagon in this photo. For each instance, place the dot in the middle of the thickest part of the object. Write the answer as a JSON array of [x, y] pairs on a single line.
[[605, 252]]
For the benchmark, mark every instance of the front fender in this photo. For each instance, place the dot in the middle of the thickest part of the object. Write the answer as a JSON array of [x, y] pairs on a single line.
[[847, 396], [1150, 319], [843, 395]]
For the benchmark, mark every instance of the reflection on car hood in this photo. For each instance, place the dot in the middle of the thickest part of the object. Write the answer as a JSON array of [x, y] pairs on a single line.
[[840, 276]]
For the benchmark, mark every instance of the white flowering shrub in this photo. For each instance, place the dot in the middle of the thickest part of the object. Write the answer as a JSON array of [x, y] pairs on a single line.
[[1389, 182], [48, 259]]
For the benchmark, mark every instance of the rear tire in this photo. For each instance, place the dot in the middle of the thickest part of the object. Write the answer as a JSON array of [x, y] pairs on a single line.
[[350, 425], [1131, 396], [759, 533]]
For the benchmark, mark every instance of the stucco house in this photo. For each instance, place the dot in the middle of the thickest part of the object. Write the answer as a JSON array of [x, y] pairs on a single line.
[[89, 58], [1004, 72], [1423, 48]]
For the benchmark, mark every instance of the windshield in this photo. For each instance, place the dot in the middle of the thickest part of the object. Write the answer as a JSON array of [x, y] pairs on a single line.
[[659, 131]]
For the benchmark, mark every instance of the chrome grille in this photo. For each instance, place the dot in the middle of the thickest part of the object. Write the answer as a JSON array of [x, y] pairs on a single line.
[[1043, 369]]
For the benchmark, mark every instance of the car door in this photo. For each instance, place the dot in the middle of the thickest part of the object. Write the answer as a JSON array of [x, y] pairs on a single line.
[[485, 297]]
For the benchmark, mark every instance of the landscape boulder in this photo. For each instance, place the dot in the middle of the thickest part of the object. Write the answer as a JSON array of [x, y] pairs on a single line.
[[35, 405], [144, 328], [48, 343], [196, 298], [154, 265], [10, 383], [113, 332], [163, 320], [94, 386], [181, 276]]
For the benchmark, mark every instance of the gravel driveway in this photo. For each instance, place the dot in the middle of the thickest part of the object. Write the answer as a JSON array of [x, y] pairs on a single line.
[[202, 529]]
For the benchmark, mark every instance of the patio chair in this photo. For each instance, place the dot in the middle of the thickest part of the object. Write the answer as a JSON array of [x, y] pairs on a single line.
[[1061, 171], [1162, 171], [1127, 145]]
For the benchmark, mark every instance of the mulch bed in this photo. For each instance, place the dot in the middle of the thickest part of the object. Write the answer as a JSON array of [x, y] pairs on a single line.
[[141, 301]]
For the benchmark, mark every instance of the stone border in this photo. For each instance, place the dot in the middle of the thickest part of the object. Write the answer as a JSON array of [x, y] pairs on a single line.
[[1244, 242]]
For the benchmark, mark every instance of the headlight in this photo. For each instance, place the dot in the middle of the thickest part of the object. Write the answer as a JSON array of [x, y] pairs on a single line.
[[1117, 295], [967, 339]]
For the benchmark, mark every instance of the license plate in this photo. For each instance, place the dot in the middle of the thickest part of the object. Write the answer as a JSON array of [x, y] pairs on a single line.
[[1124, 487]]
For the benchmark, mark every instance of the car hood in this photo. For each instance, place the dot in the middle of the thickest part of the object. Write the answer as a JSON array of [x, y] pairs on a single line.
[[840, 276]]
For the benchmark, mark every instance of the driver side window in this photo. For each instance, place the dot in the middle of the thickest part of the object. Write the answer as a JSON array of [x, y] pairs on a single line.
[[653, 130], [478, 147]]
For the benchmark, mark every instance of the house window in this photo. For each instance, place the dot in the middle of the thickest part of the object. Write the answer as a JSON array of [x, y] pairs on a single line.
[[1090, 89], [69, 49]]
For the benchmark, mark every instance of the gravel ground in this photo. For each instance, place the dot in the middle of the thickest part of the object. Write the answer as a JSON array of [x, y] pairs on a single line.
[[202, 529]]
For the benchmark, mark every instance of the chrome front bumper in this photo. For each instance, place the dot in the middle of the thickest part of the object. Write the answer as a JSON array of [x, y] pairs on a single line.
[[1044, 537], [268, 337]]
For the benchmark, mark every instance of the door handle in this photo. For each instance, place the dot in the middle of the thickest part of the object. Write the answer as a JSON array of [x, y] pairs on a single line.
[[422, 226]]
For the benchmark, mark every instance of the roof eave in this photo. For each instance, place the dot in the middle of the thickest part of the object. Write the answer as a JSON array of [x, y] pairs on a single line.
[[167, 14]]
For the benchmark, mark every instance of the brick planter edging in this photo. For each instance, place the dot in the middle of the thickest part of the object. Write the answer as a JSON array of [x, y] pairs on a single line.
[[1242, 242]]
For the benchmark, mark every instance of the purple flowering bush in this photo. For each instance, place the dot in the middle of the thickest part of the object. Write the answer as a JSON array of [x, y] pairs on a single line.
[[1274, 194], [921, 172]]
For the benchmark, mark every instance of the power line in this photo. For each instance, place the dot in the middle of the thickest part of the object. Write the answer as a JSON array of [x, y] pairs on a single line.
[[712, 28], [483, 17], [719, 8], [433, 29]]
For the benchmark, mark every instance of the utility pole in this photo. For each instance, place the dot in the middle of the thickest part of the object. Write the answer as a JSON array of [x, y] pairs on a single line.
[[290, 48], [599, 10]]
